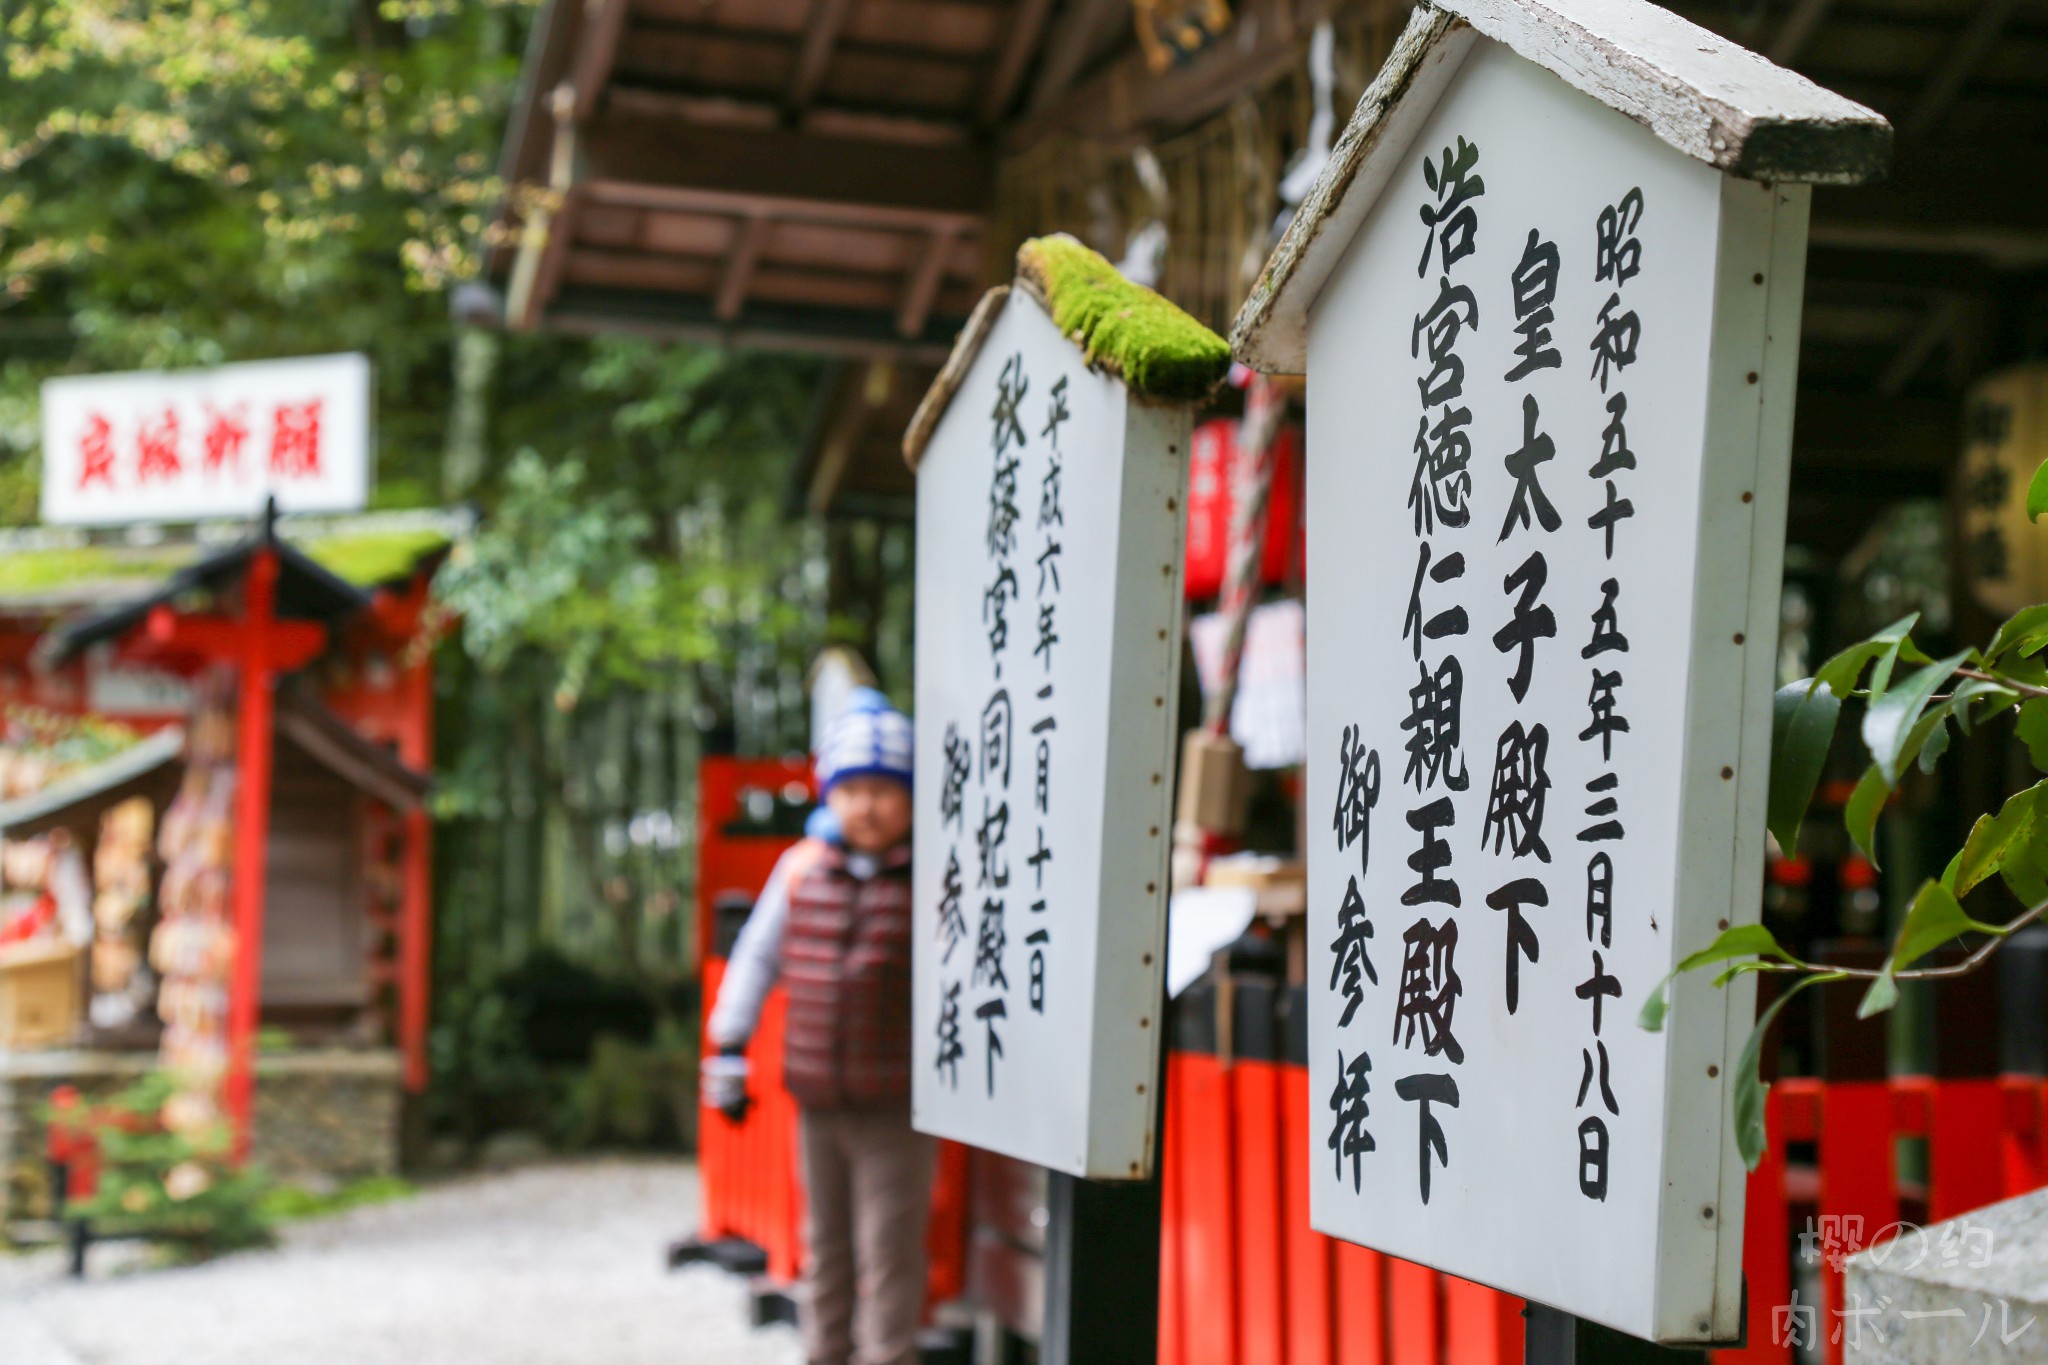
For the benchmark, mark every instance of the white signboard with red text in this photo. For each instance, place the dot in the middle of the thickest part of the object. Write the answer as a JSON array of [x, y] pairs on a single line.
[[190, 445]]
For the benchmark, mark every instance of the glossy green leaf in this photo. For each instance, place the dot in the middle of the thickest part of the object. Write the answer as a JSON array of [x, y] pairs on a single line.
[[2022, 871], [1750, 1090], [1994, 837], [1841, 672], [1881, 996], [1744, 940], [1977, 701], [2024, 632], [1866, 803], [1728, 974], [1935, 918], [2037, 493], [1937, 742], [2033, 730], [1890, 718], [2026, 667], [1802, 725]]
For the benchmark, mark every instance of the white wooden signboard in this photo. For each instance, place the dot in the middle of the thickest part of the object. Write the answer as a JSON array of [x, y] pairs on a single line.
[[1048, 650], [1551, 360], [189, 445]]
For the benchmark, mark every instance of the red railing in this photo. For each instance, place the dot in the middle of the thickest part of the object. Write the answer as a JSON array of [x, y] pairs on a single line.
[[1245, 1281], [1985, 1142]]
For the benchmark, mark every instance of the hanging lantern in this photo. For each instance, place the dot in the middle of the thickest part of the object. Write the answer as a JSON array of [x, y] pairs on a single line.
[[2005, 433]]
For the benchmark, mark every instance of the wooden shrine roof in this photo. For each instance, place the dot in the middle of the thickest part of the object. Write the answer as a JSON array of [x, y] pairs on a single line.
[[148, 767], [306, 591], [46, 571], [151, 767]]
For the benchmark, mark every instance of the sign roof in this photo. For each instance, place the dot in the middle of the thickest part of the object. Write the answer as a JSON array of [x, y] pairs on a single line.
[[1701, 94], [1121, 328]]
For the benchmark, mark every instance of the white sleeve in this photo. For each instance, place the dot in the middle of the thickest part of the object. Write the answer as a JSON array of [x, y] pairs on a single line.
[[755, 963]]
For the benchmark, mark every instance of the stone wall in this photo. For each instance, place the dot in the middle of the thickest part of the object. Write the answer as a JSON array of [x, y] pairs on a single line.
[[320, 1115]]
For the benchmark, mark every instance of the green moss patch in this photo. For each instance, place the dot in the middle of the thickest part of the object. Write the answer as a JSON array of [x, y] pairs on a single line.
[[374, 557], [366, 560], [32, 573], [1122, 328]]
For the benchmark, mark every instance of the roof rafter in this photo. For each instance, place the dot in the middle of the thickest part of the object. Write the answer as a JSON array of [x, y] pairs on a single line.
[[821, 35], [1799, 26], [1069, 50], [1970, 48], [1027, 23]]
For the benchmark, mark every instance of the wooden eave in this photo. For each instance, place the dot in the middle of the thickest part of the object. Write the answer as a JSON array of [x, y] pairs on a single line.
[[806, 174], [150, 767], [316, 731]]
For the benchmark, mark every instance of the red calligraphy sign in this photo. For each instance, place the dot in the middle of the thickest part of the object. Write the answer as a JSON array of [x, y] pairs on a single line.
[[295, 439], [226, 433], [156, 448], [96, 453]]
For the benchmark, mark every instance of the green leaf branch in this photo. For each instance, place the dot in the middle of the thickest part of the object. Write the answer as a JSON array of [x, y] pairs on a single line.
[[1913, 707]]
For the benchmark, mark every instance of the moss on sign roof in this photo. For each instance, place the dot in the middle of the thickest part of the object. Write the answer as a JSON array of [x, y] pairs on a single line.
[[1122, 328]]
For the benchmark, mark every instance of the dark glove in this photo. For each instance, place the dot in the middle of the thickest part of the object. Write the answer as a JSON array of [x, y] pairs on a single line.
[[723, 1085]]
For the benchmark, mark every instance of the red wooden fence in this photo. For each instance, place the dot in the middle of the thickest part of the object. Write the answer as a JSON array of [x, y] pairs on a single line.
[[1245, 1281]]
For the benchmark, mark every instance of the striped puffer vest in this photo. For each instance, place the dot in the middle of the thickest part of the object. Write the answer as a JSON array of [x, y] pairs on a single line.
[[846, 974]]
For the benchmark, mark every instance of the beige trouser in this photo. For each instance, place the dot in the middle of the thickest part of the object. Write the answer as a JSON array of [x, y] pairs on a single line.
[[868, 1191]]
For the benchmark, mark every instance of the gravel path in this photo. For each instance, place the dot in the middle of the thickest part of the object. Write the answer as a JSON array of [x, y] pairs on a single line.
[[553, 1264]]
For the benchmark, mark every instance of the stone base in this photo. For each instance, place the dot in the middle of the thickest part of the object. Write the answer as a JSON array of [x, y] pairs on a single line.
[[321, 1115], [1972, 1289]]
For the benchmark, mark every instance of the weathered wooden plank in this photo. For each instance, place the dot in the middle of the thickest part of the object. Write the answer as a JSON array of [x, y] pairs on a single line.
[[963, 30], [638, 270], [683, 234], [738, 203]]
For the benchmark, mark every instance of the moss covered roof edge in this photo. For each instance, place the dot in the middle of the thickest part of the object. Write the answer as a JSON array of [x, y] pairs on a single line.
[[1122, 329]]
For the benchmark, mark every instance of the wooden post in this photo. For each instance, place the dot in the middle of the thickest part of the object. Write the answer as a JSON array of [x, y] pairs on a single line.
[[1551, 1337], [1102, 1267], [252, 837]]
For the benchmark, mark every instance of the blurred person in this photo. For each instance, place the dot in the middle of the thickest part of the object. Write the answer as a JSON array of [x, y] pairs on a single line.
[[833, 922]]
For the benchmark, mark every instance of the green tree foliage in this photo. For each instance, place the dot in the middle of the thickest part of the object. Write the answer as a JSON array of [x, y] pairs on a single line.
[[186, 182]]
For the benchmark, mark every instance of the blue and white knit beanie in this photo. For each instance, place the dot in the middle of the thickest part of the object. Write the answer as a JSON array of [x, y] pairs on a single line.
[[870, 739]]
